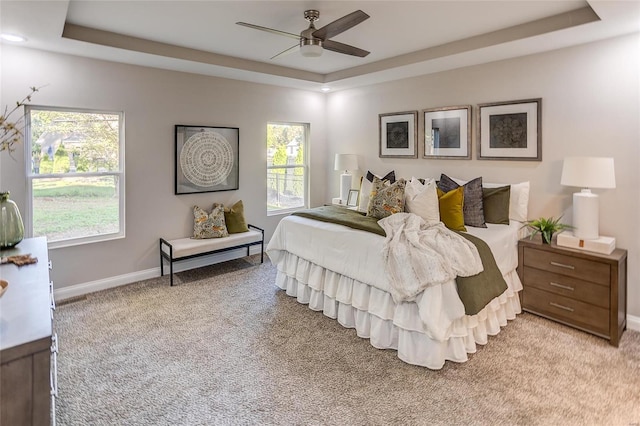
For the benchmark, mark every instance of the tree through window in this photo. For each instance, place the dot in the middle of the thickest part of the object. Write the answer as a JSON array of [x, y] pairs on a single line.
[[287, 167], [76, 174]]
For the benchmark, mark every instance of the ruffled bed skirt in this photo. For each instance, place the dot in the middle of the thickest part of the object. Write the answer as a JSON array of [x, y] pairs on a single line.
[[388, 325]]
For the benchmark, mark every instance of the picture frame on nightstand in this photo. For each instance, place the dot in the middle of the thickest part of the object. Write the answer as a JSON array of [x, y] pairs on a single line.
[[352, 201]]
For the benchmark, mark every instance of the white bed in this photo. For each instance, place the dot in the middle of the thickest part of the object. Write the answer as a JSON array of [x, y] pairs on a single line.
[[339, 271]]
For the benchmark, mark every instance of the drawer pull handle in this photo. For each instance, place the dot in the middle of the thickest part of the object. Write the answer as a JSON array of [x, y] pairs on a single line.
[[562, 265], [566, 287], [566, 308]]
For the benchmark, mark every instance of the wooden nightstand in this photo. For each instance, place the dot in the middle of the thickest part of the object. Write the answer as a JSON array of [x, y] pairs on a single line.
[[581, 289]]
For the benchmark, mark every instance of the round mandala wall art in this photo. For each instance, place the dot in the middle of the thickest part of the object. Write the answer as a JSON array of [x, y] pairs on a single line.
[[206, 159]]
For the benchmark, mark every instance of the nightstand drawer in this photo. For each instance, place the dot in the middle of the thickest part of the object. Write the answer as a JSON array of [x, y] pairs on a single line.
[[592, 271], [563, 285], [572, 312]]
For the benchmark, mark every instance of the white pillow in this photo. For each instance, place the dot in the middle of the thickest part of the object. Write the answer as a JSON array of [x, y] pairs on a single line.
[[518, 199], [422, 199]]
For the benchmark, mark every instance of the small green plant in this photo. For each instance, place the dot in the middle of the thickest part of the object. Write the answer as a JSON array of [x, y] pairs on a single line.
[[546, 227]]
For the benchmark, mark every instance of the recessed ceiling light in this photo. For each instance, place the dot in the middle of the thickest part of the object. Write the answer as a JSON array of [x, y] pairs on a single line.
[[325, 89], [13, 37]]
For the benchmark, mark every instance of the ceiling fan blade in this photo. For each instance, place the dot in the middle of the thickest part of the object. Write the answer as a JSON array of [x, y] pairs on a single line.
[[344, 48], [340, 25], [286, 51], [269, 30]]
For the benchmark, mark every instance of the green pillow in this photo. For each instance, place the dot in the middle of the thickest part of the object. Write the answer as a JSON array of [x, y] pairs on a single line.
[[496, 204], [234, 218], [451, 208]]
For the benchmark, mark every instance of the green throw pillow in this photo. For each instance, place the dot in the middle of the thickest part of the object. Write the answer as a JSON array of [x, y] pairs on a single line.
[[234, 218], [473, 209], [451, 208], [496, 204]]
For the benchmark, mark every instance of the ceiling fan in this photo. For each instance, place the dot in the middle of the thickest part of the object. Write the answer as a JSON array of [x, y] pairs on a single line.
[[312, 41]]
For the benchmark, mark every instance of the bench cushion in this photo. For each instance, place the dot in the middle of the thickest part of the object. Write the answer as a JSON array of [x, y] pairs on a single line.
[[188, 246]]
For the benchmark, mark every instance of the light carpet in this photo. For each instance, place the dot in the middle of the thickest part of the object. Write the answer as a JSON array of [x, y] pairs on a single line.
[[225, 346]]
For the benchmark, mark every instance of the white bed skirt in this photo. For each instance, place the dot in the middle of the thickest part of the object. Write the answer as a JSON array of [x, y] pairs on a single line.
[[387, 325]]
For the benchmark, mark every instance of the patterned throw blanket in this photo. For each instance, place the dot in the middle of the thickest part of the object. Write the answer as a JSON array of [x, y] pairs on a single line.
[[475, 291]]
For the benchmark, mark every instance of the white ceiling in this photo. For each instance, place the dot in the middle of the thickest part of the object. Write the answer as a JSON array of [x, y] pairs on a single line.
[[405, 38]]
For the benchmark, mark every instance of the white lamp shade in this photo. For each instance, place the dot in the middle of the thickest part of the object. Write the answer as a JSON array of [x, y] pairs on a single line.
[[588, 172], [346, 162]]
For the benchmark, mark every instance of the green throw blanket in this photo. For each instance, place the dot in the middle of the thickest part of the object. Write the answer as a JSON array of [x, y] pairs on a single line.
[[475, 291], [342, 216]]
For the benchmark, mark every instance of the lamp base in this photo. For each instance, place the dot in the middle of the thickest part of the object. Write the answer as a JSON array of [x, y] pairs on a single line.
[[585, 215]]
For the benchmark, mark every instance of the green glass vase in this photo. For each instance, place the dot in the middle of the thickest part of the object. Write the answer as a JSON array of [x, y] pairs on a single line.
[[11, 226]]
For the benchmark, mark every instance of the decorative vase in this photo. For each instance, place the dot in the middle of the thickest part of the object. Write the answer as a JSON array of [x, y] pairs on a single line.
[[547, 237], [11, 226]]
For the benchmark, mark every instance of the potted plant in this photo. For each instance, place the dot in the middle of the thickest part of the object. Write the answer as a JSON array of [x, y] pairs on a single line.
[[546, 227]]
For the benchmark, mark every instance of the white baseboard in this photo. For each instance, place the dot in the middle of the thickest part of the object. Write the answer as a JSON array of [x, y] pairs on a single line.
[[106, 283], [633, 323]]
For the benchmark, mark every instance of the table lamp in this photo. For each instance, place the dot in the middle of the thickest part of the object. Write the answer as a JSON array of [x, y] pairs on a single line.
[[587, 173], [345, 162]]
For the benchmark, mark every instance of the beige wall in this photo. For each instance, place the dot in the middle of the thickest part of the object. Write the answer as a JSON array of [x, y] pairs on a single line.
[[154, 101], [590, 96]]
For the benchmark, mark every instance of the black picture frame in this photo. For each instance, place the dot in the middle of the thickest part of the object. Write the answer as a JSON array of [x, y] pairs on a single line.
[[206, 159], [510, 130]]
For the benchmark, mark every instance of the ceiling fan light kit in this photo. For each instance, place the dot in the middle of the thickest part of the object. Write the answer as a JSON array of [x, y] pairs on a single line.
[[313, 41], [310, 48]]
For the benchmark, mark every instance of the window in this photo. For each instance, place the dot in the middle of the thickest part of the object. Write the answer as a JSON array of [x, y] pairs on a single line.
[[75, 175], [287, 167]]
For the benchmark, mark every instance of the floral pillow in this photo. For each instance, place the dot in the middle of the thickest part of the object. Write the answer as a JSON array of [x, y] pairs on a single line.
[[365, 187], [209, 225], [386, 199]]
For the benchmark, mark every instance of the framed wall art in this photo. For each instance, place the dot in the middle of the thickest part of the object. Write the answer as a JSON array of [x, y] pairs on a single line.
[[206, 159], [510, 130], [447, 132], [399, 135]]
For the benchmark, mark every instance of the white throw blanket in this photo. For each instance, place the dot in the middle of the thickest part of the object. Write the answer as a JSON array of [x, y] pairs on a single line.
[[419, 255]]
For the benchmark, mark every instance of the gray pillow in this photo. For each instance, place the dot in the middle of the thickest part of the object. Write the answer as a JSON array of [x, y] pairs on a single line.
[[472, 208]]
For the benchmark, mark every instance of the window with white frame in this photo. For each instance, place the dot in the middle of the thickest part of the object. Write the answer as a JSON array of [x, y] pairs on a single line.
[[287, 167], [75, 174]]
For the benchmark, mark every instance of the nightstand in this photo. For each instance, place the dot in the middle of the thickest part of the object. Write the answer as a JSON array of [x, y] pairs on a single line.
[[584, 290]]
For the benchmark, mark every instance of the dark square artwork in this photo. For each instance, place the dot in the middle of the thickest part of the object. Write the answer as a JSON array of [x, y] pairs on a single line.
[[446, 132], [508, 130], [398, 134]]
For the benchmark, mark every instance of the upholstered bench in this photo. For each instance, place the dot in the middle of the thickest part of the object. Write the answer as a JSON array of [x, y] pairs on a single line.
[[188, 248]]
